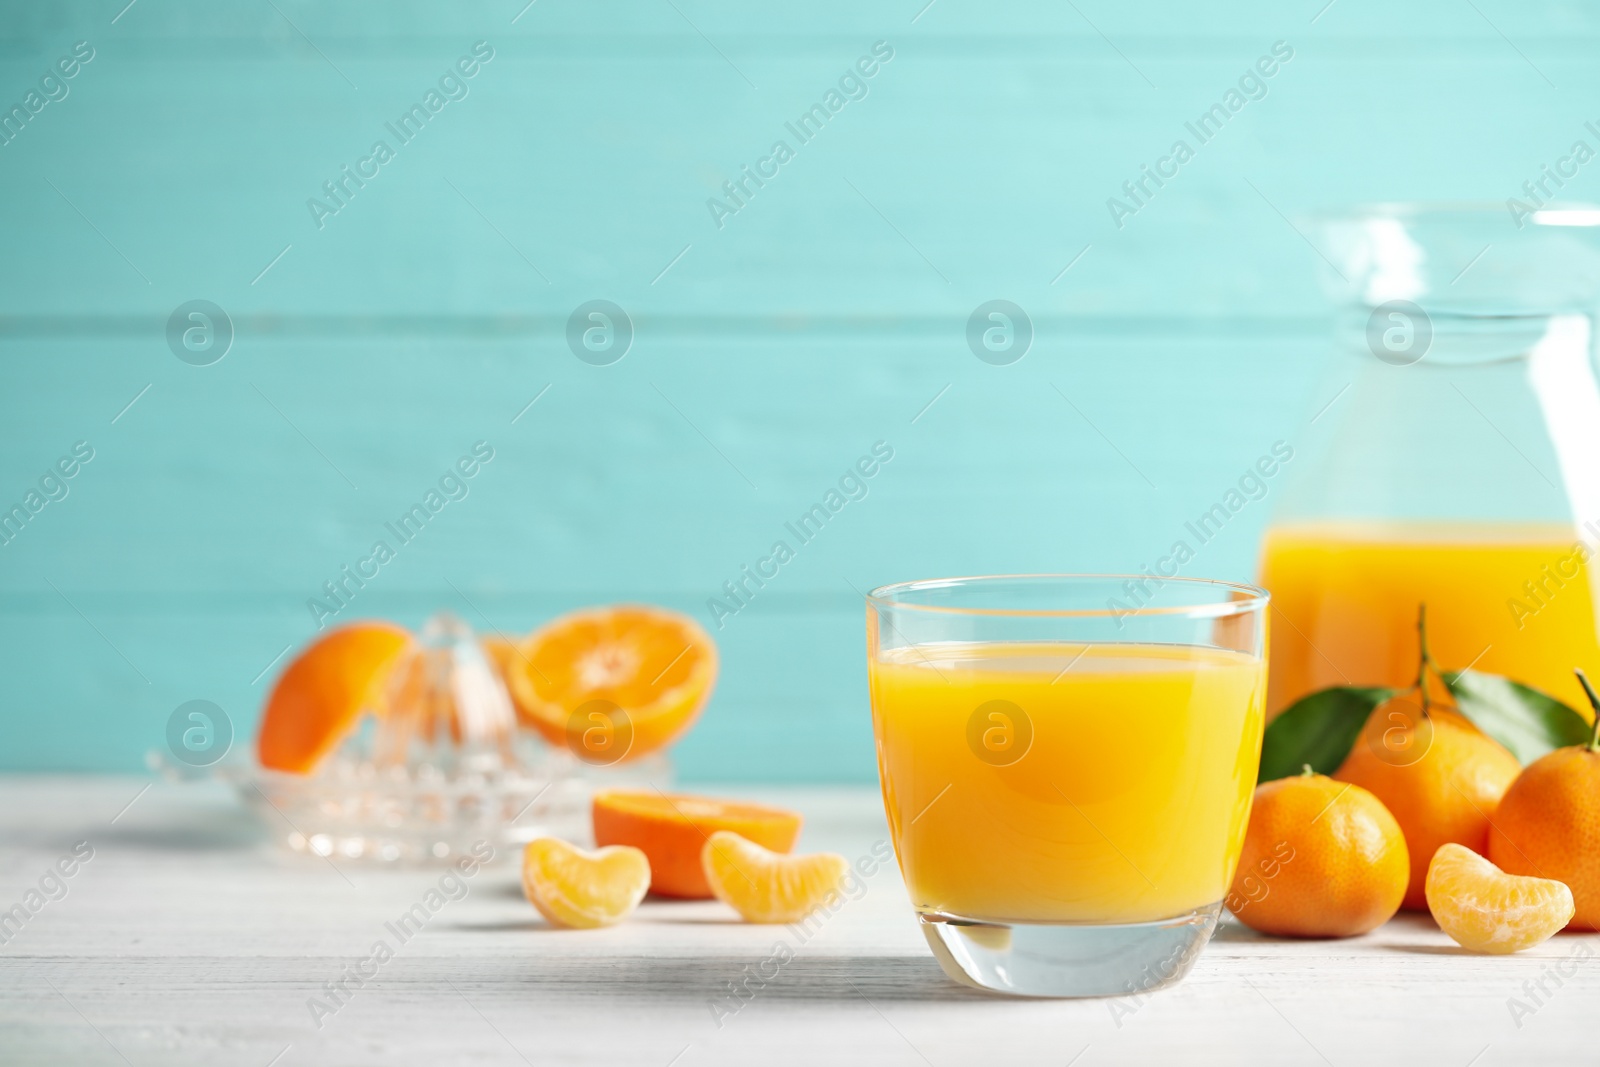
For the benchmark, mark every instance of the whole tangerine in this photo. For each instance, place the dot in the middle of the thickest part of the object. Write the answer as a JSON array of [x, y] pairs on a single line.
[[1548, 826], [1321, 859], [1438, 775]]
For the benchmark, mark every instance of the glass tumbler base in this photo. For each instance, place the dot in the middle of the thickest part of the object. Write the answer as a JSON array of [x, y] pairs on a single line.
[[1069, 959]]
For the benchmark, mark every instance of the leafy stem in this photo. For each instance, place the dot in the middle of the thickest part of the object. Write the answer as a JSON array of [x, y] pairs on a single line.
[[1424, 661], [1322, 727], [1594, 702]]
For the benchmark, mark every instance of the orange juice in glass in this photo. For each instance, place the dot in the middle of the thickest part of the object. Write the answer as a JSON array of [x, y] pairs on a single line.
[[1510, 598], [1067, 764]]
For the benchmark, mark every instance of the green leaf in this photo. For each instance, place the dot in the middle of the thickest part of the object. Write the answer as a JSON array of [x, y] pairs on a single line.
[[1521, 718], [1319, 729]]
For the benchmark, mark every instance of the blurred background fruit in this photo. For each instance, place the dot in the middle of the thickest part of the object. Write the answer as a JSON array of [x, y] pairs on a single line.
[[672, 831], [647, 671], [322, 693]]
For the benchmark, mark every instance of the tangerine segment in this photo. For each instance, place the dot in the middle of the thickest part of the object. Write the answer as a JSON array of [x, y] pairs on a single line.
[[1486, 910], [583, 890], [766, 887], [672, 831], [319, 697], [656, 666]]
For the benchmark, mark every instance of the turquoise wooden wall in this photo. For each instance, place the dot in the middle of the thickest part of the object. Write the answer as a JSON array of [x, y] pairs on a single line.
[[769, 352]]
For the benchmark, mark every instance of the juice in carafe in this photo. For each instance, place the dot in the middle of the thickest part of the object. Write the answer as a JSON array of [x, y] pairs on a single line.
[[1510, 599]]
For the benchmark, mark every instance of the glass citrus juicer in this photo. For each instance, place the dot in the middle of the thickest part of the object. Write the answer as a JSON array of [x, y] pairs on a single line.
[[439, 763], [1451, 457]]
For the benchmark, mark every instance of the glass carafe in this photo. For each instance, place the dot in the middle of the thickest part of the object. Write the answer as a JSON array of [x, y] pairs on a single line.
[[1452, 457]]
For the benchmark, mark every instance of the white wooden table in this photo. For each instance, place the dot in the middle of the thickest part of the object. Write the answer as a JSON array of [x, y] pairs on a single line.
[[191, 937]]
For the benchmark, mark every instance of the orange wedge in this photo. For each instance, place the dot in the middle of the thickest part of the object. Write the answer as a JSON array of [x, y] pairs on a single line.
[[672, 832], [583, 890], [766, 887], [612, 683], [1486, 910], [319, 697]]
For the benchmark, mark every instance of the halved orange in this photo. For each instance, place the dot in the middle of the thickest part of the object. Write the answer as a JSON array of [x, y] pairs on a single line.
[[1486, 910], [319, 697], [766, 887], [583, 890], [672, 830], [612, 683]]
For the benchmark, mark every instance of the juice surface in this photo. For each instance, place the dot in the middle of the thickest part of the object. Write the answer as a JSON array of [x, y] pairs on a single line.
[[1510, 600], [1129, 805]]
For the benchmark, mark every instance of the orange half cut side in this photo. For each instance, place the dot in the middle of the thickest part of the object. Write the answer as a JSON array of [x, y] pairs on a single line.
[[672, 830], [655, 667]]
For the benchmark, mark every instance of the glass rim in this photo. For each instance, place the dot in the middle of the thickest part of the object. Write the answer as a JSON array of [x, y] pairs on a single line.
[[1254, 597]]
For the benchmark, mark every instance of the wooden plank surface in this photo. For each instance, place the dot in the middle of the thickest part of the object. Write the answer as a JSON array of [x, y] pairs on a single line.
[[191, 937]]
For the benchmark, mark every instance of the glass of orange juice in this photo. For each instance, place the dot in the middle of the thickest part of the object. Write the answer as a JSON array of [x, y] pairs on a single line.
[[1067, 764]]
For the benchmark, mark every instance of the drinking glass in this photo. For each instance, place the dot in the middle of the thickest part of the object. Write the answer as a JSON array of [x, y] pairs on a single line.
[[1067, 764]]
